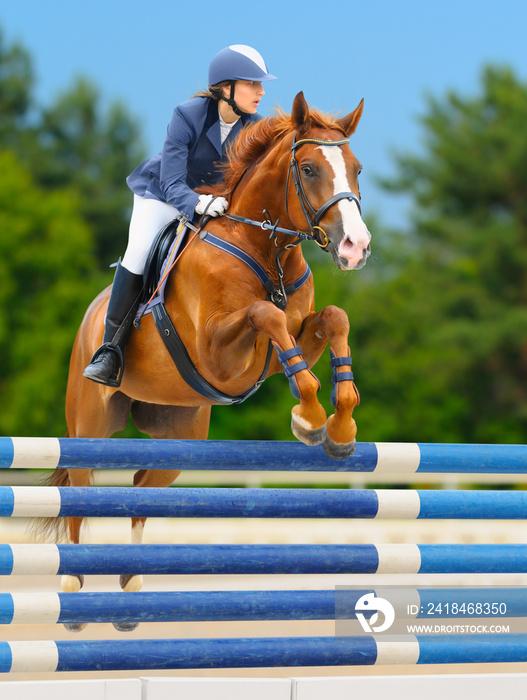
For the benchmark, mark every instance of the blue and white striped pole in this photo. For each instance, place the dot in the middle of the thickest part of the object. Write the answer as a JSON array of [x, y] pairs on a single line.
[[407, 458], [47, 559], [221, 606], [51, 501], [255, 652]]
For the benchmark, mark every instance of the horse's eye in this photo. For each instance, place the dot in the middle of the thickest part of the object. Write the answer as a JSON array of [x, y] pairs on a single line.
[[307, 170]]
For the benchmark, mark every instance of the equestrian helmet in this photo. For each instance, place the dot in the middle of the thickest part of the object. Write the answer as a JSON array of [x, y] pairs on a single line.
[[238, 62]]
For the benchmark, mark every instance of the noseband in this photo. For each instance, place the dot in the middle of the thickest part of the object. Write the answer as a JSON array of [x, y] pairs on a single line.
[[313, 216]]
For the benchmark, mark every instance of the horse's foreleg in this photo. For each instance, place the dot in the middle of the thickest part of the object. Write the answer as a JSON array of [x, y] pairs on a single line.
[[331, 325], [308, 418]]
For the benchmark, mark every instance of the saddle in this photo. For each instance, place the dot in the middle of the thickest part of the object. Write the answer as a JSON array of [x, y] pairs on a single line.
[[168, 242], [159, 255]]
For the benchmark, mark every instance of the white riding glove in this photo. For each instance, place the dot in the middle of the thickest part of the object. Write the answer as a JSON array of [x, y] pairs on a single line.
[[218, 205]]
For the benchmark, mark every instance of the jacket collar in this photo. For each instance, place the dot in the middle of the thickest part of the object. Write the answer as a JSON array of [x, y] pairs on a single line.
[[212, 127]]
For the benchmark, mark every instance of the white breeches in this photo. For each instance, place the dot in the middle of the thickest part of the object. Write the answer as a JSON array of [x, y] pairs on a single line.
[[149, 216]]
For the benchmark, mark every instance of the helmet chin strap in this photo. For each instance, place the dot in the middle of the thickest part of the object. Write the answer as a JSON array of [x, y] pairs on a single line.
[[231, 102]]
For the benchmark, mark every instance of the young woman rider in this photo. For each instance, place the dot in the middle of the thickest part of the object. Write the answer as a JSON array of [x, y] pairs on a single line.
[[163, 186]]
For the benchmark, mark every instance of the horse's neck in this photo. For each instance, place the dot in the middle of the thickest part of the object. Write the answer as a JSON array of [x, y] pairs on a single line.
[[260, 196], [261, 192]]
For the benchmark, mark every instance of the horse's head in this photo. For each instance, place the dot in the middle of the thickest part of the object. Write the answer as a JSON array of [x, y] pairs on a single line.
[[324, 173]]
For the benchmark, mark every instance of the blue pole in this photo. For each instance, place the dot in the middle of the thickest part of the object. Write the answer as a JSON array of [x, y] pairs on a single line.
[[262, 559], [472, 648], [95, 453], [219, 606], [182, 606], [265, 652], [215, 653], [264, 503]]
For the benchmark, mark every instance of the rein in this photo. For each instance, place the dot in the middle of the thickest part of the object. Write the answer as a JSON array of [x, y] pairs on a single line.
[[274, 228]]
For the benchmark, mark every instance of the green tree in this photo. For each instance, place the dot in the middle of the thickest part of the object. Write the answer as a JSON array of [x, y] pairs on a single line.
[[92, 150], [16, 83], [48, 275], [75, 142], [443, 339], [64, 208]]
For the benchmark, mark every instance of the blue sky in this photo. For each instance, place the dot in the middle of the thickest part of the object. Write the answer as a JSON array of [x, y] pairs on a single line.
[[154, 54]]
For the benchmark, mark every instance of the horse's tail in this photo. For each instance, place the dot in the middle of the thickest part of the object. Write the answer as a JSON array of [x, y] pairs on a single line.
[[52, 529], [58, 477]]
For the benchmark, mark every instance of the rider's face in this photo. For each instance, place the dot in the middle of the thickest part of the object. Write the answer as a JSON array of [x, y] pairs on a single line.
[[247, 94]]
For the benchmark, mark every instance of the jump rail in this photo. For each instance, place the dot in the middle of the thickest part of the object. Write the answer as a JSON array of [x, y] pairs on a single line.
[[407, 458], [221, 606], [50, 501], [254, 652], [221, 559]]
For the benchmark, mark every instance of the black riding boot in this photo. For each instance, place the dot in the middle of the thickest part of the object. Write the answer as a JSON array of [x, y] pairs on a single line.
[[107, 365]]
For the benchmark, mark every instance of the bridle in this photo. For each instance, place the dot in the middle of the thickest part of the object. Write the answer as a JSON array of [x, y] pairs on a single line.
[[312, 215]]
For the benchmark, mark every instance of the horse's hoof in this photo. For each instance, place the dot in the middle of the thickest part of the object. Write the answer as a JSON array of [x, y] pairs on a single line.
[[336, 450], [131, 583], [72, 583], [125, 626], [75, 626], [303, 432]]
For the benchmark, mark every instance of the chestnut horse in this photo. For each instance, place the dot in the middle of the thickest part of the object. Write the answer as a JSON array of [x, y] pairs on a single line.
[[294, 168]]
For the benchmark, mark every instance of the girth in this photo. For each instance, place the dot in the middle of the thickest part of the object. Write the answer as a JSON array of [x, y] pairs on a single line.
[[186, 368], [176, 347]]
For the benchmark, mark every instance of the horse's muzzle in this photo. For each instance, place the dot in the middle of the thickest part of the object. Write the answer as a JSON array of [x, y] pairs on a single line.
[[365, 255]]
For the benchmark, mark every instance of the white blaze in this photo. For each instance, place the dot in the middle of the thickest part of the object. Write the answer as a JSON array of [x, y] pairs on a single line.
[[356, 235]]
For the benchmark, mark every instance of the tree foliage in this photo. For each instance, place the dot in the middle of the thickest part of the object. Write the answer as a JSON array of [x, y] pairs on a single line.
[[64, 209], [48, 274], [447, 330], [16, 82], [82, 147]]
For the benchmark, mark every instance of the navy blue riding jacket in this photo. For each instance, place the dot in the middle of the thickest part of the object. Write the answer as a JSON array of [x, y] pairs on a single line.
[[190, 156]]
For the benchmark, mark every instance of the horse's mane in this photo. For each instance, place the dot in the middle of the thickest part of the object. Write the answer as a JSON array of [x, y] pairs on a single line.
[[254, 140]]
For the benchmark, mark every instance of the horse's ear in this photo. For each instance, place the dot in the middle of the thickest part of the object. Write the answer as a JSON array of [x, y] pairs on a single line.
[[300, 113], [350, 121]]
